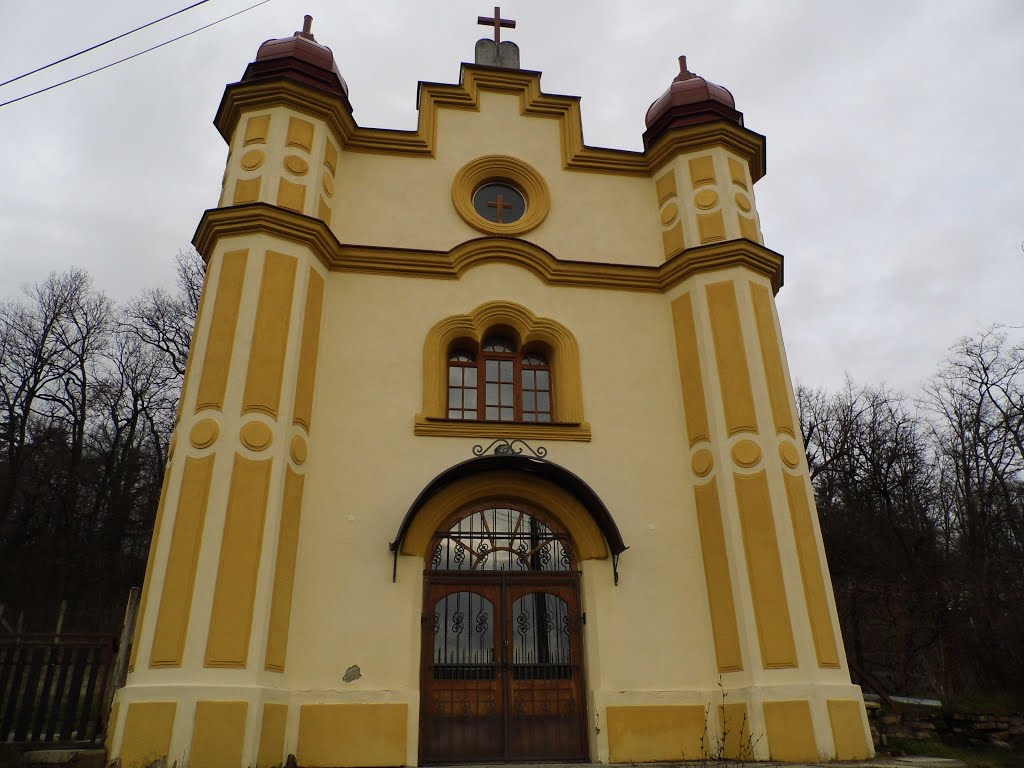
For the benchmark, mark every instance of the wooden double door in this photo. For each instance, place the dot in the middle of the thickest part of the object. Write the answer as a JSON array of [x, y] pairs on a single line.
[[502, 671]]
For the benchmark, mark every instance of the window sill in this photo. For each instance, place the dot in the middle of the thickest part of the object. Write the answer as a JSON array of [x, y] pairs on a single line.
[[432, 426]]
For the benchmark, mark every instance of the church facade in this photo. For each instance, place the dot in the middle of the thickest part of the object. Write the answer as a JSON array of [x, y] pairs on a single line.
[[487, 448]]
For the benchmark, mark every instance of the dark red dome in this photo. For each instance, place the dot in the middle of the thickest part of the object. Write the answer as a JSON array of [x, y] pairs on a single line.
[[688, 101], [300, 58]]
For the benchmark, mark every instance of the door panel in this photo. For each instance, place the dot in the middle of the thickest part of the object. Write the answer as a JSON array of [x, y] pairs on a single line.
[[502, 670], [547, 713], [465, 707]]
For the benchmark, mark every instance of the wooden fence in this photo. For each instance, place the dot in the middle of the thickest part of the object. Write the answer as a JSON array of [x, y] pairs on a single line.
[[55, 689]]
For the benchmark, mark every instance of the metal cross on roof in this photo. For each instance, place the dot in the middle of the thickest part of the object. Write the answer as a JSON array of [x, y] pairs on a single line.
[[497, 22]]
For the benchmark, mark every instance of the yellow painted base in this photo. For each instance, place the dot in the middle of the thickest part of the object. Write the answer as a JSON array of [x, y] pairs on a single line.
[[275, 718], [218, 735], [846, 717], [790, 731], [351, 735], [147, 732], [649, 734]]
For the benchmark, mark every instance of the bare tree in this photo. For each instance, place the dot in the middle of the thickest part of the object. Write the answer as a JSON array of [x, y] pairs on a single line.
[[165, 320]]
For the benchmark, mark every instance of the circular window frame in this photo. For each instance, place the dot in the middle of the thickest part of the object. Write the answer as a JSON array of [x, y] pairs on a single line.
[[506, 170]]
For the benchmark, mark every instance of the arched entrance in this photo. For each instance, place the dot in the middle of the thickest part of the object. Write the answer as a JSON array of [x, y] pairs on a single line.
[[502, 651]]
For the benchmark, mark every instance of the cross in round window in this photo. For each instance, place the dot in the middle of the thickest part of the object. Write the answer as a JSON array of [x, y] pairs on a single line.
[[499, 202]]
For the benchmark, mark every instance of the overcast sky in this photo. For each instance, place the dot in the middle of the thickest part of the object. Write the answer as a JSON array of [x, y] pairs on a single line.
[[895, 186]]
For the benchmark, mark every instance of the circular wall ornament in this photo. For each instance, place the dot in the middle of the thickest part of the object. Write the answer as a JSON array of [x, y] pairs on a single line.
[[702, 462], [203, 433], [524, 199], [296, 164], [746, 453], [328, 185], [706, 198], [256, 435], [298, 450], [669, 214], [742, 202], [789, 454], [252, 159]]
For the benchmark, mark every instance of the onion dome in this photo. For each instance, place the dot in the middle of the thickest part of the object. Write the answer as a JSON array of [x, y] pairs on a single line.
[[299, 58], [690, 100]]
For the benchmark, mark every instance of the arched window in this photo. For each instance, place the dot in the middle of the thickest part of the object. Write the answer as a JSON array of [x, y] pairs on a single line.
[[501, 539], [500, 383], [501, 371]]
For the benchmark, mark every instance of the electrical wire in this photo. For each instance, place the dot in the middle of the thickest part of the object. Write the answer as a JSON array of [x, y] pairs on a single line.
[[133, 56], [100, 45]]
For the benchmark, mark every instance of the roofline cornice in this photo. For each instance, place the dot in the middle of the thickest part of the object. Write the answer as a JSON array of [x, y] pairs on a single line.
[[576, 155]]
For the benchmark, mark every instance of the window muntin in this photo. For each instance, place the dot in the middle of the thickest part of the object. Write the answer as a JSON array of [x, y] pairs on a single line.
[[462, 385], [501, 539], [516, 386]]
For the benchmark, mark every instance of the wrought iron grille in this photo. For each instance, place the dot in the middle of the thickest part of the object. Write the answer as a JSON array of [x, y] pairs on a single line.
[[501, 539]]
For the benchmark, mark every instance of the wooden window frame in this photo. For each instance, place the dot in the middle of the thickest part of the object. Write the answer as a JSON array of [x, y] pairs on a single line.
[[530, 332]]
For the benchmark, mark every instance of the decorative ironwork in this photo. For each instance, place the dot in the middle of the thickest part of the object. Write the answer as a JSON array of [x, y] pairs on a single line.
[[502, 539], [504, 447]]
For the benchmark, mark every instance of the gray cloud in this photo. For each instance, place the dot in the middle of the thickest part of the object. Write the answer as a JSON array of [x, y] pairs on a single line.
[[895, 182]]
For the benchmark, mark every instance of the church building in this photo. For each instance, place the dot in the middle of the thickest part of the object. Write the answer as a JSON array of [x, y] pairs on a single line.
[[487, 449]]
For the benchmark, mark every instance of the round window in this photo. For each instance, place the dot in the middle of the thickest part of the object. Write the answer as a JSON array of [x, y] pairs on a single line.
[[499, 202]]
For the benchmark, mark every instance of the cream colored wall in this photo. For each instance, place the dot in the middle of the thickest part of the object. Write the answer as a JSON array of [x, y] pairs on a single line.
[[406, 201]]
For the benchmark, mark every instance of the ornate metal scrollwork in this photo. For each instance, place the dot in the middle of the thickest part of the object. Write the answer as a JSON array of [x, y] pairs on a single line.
[[505, 447]]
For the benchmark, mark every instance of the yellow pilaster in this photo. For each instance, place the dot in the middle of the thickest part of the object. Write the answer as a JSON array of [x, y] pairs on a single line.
[[215, 615], [772, 613]]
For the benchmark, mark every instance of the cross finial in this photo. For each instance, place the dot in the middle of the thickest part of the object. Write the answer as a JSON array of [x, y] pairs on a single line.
[[497, 22]]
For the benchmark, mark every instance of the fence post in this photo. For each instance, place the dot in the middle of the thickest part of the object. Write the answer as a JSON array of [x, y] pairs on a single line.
[[117, 679]]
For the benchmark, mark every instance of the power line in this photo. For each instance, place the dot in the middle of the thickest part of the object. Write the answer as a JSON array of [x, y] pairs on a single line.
[[100, 45], [133, 56]]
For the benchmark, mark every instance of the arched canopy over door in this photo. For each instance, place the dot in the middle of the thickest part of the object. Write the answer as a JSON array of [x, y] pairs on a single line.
[[535, 481]]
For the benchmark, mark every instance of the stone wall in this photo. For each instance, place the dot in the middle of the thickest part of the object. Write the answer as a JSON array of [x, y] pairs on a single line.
[[958, 728]]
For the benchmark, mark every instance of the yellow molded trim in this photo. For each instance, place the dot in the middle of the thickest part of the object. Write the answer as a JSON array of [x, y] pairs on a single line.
[[218, 735], [300, 133], [317, 236], [147, 732], [815, 589], [227, 644], [221, 337], [256, 129], [690, 369], [731, 357], [180, 571], [566, 389], [702, 170], [247, 191], [522, 176], [291, 195], [272, 729], [270, 335], [665, 185], [284, 572], [427, 426], [764, 568], [711, 226], [240, 98], [654, 733], [717, 578], [352, 735], [506, 487], [790, 731], [846, 718], [771, 354], [309, 346]]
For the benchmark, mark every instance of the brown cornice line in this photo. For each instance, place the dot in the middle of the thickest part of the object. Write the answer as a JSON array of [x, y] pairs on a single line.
[[242, 220], [240, 97]]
